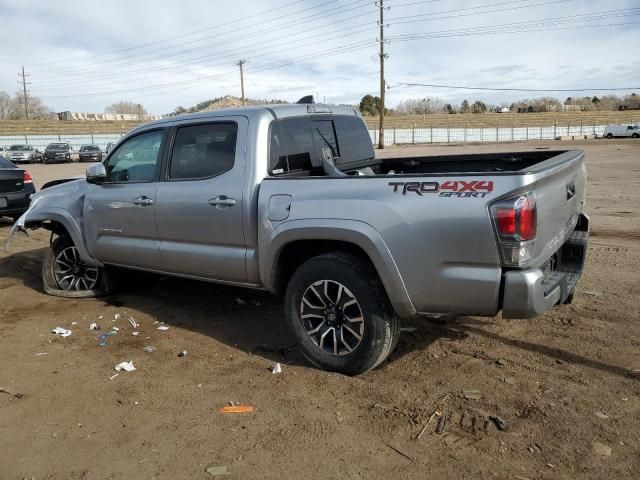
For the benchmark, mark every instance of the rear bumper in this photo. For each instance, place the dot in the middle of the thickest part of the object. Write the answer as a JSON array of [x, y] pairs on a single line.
[[529, 293], [17, 202]]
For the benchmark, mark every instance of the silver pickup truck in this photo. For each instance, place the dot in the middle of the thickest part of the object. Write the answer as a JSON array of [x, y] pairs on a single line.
[[291, 199]]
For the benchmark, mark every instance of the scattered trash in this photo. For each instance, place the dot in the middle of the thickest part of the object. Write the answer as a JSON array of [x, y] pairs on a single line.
[[116, 316], [61, 332], [240, 301], [9, 392], [100, 317], [441, 424], [218, 471], [150, 349], [472, 394], [102, 344], [183, 353], [106, 335], [126, 366], [94, 326], [501, 361], [436, 412], [115, 328], [113, 376], [38, 354], [500, 424], [602, 415], [135, 334], [551, 465], [133, 323], [277, 368], [635, 373], [74, 323], [400, 452], [164, 328], [601, 449], [237, 409]]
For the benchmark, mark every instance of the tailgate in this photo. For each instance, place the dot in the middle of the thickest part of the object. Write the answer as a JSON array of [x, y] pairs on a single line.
[[559, 186]]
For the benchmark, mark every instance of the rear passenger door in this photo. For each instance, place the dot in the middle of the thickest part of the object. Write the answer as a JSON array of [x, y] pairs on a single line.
[[200, 201]]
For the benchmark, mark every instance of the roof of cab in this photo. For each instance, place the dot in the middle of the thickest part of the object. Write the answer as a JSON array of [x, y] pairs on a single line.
[[276, 110]]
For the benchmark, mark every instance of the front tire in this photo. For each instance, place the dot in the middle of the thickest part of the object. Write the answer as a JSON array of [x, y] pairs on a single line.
[[609, 136], [339, 312], [64, 273], [635, 135]]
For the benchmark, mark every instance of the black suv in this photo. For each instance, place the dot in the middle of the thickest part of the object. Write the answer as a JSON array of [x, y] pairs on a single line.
[[57, 153], [90, 153]]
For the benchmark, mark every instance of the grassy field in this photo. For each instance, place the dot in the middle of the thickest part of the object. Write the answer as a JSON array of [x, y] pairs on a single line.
[[546, 119], [50, 127]]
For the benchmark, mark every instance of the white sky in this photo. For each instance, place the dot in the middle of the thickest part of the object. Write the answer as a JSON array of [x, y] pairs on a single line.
[[82, 56]]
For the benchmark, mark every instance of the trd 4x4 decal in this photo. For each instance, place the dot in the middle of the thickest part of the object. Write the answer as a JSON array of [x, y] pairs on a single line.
[[450, 188]]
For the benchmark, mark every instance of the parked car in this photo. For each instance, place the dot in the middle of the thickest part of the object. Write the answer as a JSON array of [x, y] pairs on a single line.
[[21, 154], [90, 153], [611, 131], [16, 187], [291, 199], [57, 153]]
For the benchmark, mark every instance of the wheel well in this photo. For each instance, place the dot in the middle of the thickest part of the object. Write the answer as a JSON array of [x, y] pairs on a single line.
[[54, 227], [296, 253]]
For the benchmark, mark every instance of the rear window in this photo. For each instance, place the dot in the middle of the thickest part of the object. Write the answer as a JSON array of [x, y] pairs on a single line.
[[89, 148], [296, 143], [4, 163]]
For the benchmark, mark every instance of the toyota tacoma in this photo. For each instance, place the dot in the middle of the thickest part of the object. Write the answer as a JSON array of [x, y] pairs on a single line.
[[291, 199]]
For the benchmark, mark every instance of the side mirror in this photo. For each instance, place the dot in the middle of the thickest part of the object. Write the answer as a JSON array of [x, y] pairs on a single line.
[[96, 173]]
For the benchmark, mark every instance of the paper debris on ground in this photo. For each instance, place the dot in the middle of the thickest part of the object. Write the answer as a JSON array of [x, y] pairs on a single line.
[[126, 366], [472, 394], [183, 353], [149, 349], [74, 323], [164, 328], [62, 332], [113, 376], [133, 323], [277, 368], [218, 471], [115, 328], [237, 409], [135, 334], [42, 353], [94, 326], [116, 316]]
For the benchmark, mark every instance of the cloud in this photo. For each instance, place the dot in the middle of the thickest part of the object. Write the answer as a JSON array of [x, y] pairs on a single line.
[[297, 48]]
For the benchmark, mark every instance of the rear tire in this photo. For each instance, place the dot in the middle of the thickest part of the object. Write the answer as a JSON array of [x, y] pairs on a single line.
[[609, 136], [64, 274], [339, 312]]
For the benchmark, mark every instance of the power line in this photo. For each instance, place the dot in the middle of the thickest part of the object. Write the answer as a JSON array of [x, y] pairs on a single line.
[[164, 54], [506, 89]]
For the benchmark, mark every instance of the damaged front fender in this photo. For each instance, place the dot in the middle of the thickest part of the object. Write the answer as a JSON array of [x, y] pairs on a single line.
[[56, 208]]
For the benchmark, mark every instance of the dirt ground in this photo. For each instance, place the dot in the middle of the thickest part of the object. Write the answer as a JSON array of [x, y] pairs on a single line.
[[561, 382]]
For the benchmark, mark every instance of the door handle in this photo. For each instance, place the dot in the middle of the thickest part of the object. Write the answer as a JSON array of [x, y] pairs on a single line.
[[222, 201], [143, 201]]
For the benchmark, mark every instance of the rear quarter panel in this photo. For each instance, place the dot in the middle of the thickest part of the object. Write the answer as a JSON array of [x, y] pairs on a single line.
[[443, 245]]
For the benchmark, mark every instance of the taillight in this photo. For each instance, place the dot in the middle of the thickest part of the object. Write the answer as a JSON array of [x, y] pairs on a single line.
[[26, 178], [515, 221]]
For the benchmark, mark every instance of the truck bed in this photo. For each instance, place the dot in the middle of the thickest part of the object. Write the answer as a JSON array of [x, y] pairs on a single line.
[[475, 163]]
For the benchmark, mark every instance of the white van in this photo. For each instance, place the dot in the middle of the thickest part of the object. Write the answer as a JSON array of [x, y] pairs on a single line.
[[611, 131]]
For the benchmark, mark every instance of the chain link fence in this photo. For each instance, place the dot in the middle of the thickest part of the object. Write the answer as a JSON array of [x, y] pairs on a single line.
[[41, 141], [485, 133]]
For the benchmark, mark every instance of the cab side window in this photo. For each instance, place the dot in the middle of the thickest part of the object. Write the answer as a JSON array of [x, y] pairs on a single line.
[[203, 151], [136, 159]]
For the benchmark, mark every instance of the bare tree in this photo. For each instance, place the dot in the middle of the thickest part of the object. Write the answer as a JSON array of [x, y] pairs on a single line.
[[15, 108], [124, 106], [5, 101]]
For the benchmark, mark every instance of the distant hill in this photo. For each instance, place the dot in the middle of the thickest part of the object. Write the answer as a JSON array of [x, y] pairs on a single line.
[[228, 101]]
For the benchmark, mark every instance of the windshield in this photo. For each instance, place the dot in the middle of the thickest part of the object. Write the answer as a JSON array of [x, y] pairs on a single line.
[[19, 147], [89, 148], [57, 146]]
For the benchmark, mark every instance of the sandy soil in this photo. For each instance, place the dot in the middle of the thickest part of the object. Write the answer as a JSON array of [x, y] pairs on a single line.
[[561, 382]]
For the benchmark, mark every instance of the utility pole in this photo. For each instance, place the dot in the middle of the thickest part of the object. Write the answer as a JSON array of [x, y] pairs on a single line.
[[241, 65], [25, 97], [382, 82]]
